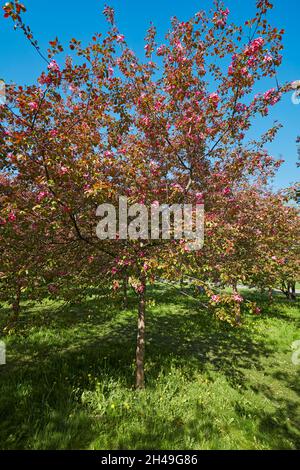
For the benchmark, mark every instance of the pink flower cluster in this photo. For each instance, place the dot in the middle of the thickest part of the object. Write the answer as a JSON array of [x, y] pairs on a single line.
[[139, 289], [226, 191], [12, 217], [221, 21], [53, 66], [214, 98], [109, 13], [215, 298], [33, 105], [161, 50], [237, 298], [63, 170], [45, 79], [41, 195], [272, 96], [254, 46], [199, 198]]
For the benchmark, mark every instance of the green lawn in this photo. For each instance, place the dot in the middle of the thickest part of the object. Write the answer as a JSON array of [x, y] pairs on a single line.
[[69, 374]]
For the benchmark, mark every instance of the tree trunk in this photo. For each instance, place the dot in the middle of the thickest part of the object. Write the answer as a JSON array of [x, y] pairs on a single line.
[[293, 290], [140, 346], [270, 294]]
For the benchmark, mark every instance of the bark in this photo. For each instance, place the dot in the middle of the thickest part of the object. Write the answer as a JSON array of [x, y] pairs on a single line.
[[293, 290], [140, 346], [270, 295]]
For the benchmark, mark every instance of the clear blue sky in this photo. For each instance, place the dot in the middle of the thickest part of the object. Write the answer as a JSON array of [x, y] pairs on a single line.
[[73, 18]]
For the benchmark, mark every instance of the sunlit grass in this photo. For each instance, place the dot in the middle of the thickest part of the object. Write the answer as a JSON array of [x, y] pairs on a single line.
[[68, 379]]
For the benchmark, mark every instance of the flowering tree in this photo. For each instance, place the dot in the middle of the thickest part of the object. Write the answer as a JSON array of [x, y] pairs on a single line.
[[257, 245], [101, 123]]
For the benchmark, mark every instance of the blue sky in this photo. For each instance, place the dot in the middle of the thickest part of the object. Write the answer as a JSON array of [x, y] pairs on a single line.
[[73, 18]]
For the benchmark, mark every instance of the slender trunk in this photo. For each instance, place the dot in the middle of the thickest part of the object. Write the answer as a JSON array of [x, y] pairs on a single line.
[[140, 346], [293, 290], [270, 294]]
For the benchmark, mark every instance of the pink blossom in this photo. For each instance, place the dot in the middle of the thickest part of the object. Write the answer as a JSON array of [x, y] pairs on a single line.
[[254, 46], [139, 289], [33, 105], [214, 98], [44, 79], [146, 267], [109, 13], [63, 170], [215, 298], [268, 58], [146, 121], [272, 96], [226, 191], [120, 38], [12, 217], [251, 61], [178, 187], [230, 69], [114, 270], [53, 66], [199, 198], [237, 298], [41, 195], [161, 49]]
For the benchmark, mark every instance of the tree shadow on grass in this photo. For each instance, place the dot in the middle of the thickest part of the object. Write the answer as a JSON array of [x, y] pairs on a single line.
[[282, 426], [42, 383]]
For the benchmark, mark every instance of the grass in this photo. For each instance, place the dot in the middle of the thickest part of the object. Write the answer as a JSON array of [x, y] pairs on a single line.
[[68, 379]]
